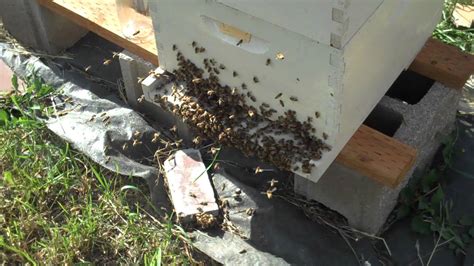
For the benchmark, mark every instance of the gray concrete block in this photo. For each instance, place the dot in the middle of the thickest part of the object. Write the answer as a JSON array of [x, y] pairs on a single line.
[[189, 186], [365, 203], [37, 27]]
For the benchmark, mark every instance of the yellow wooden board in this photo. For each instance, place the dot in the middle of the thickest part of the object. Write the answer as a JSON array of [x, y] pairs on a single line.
[[100, 17]]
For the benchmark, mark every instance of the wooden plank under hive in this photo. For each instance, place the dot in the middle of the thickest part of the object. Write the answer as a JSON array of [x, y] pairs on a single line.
[[101, 18]]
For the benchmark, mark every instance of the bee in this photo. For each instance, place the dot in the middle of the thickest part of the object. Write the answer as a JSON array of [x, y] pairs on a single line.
[[136, 134], [216, 166], [258, 170], [174, 129], [107, 62], [105, 119], [273, 182], [156, 137], [140, 79], [253, 98], [255, 79], [325, 136], [240, 42], [196, 50], [235, 74], [282, 103], [211, 92], [193, 44], [238, 191], [249, 212], [251, 113], [140, 100], [294, 98], [244, 86], [221, 66], [175, 47], [103, 114], [233, 91], [192, 195], [296, 168], [91, 119], [216, 71], [202, 50], [197, 140], [197, 80], [136, 142], [222, 189], [270, 192], [269, 61], [87, 68], [107, 159], [231, 116], [317, 114], [266, 105], [280, 56], [212, 61], [278, 95]]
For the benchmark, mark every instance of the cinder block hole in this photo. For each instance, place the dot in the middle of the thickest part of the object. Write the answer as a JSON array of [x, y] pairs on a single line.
[[410, 87], [384, 119]]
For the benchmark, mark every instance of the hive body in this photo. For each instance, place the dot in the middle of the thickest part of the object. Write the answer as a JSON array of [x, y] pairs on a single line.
[[340, 56]]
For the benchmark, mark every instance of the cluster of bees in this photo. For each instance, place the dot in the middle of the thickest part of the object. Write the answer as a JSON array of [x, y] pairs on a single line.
[[223, 113]]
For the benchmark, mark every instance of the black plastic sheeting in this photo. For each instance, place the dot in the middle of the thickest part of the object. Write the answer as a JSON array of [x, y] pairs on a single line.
[[277, 234]]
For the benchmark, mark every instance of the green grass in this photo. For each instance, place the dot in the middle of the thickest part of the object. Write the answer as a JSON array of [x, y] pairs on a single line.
[[59, 207], [447, 32]]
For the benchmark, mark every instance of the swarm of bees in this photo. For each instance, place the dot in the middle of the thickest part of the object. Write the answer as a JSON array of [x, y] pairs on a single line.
[[222, 113]]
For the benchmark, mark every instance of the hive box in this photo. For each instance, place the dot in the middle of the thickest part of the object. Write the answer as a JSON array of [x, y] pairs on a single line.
[[340, 56]]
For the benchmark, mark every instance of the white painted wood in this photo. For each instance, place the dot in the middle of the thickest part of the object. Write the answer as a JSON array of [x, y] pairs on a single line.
[[341, 67]]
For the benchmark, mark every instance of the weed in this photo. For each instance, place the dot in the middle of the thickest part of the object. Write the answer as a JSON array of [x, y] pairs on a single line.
[[447, 32], [424, 199], [59, 207]]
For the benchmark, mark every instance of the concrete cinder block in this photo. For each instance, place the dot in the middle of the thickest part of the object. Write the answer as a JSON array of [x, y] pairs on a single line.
[[133, 69], [37, 27], [365, 203], [189, 185]]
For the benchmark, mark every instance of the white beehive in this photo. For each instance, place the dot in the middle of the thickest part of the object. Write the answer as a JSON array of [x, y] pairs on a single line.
[[340, 56]]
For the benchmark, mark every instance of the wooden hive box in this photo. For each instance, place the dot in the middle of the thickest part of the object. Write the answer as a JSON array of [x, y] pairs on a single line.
[[340, 56]]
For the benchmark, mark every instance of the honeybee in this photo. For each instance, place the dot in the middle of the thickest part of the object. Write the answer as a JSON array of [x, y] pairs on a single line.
[[156, 137], [280, 56], [269, 61], [107, 62], [273, 182], [270, 192], [221, 66], [317, 114], [141, 98], [202, 50], [235, 74], [175, 47], [255, 79], [282, 103], [294, 98], [193, 44], [278, 95], [325, 136], [240, 42]]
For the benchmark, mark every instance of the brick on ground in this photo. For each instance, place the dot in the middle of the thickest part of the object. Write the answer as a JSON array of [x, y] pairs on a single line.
[[6, 75], [189, 186]]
